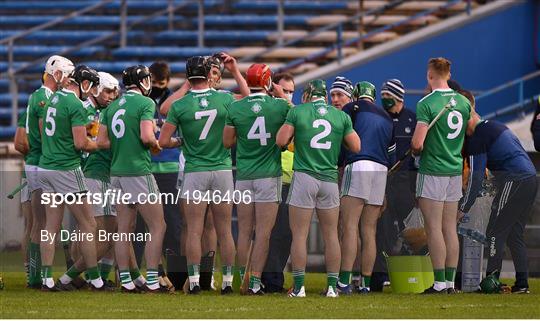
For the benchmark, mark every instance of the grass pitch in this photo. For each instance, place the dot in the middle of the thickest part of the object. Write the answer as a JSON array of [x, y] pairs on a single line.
[[18, 302]]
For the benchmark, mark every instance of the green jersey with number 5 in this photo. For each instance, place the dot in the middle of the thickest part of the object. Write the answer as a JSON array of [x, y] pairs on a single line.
[[319, 130], [200, 117], [58, 148], [441, 155], [257, 119], [130, 157], [37, 103]]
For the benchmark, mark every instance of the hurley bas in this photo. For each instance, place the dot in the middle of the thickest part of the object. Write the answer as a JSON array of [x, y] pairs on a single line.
[[102, 236]]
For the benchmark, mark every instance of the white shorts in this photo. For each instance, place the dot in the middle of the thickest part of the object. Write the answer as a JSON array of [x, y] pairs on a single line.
[[439, 188], [138, 188], [196, 184], [366, 180], [32, 177], [25, 191], [62, 181], [308, 192], [103, 208], [262, 190]]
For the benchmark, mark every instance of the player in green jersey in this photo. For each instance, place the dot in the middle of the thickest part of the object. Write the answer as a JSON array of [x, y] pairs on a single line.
[[127, 129], [59, 173], [439, 184], [318, 130], [200, 116], [96, 171], [57, 70], [252, 124]]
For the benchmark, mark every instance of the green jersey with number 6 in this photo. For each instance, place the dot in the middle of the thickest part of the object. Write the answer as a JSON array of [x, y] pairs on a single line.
[[441, 155], [64, 111], [319, 130], [36, 106], [257, 119], [200, 116], [130, 157]]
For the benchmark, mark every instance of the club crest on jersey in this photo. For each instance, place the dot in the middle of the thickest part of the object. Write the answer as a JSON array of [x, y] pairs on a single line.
[[122, 101], [203, 102], [453, 102], [54, 101], [256, 108], [322, 111]]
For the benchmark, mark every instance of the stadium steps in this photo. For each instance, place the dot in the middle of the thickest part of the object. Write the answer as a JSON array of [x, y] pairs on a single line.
[[331, 36]]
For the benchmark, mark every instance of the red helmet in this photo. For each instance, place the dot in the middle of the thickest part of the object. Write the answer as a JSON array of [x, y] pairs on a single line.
[[259, 76]]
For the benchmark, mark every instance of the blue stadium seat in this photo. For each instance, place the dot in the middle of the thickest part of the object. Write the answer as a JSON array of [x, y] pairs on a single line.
[[4, 84], [65, 36], [77, 5], [7, 131], [5, 99], [252, 20], [118, 66], [214, 35], [33, 69], [5, 113], [38, 51], [307, 6], [161, 52]]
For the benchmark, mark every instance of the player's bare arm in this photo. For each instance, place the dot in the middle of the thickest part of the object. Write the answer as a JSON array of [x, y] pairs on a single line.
[[417, 142], [232, 66], [229, 136], [181, 92], [284, 135], [165, 136], [103, 141], [81, 140], [21, 141], [352, 142]]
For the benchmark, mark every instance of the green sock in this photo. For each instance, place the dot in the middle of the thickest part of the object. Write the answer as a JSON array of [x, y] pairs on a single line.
[[105, 270], [125, 277], [73, 272], [356, 275], [87, 276], [46, 271], [227, 273], [298, 277], [242, 271], [34, 276], [152, 276], [193, 269], [254, 282], [93, 273], [439, 275], [450, 274], [345, 277], [366, 281], [135, 273], [331, 279]]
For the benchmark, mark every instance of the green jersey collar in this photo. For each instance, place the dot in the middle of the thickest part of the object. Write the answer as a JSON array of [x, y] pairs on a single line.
[[134, 91], [48, 91], [257, 94], [198, 91], [318, 99], [444, 90]]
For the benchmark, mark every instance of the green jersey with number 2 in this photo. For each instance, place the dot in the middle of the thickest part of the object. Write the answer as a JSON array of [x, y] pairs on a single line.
[[257, 119], [319, 130], [200, 116], [58, 148], [441, 155], [130, 157]]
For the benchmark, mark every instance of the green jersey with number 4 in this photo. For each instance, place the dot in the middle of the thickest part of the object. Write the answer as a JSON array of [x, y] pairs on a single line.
[[36, 106], [130, 157], [64, 111], [257, 119], [319, 130], [441, 155], [200, 116]]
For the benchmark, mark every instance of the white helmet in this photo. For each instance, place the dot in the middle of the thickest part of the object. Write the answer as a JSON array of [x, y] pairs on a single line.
[[63, 64], [106, 80]]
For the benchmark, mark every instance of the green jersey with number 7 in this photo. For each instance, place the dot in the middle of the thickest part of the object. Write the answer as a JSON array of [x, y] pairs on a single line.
[[200, 116], [57, 146], [319, 130], [257, 119], [441, 155], [130, 157]]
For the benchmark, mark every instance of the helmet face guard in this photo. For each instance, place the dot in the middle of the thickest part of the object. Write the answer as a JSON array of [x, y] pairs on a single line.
[[138, 76], [82, 73], [259, 76]]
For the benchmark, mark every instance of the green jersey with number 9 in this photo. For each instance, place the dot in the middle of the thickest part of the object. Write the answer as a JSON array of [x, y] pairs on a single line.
[[441, 155], [319, 130], [130, 157], [200, 117], [58, 148], [257, 119]]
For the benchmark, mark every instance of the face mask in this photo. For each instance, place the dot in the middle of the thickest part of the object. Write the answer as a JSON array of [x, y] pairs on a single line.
[[290, 96], [388, 103], [157, 92]]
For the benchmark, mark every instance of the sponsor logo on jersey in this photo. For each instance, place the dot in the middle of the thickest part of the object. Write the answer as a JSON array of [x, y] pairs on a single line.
[[54, 101], [122, 101], [256, 108]]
